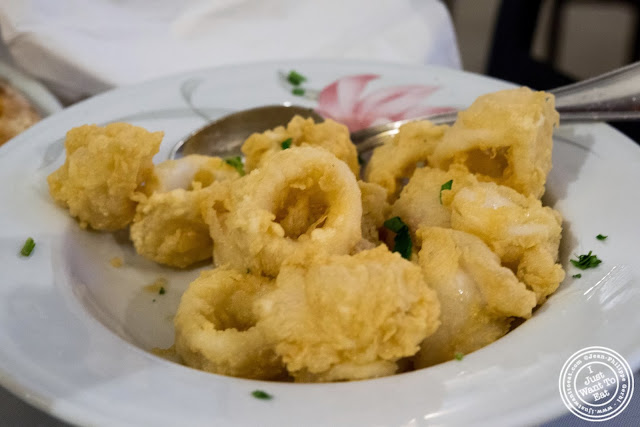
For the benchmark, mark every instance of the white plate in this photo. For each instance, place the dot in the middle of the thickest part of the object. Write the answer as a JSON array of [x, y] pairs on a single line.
[[39, 96], [75, 331]]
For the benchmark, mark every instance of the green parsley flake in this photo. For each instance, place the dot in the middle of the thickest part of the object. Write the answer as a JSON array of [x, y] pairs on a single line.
[[577, 276], [402, 241], [601, 237], [458, 355], [296, 78], [360, 160], [162, 291], [445, 186], [236, 162], [259, 394], [286, 143], [27, 248], [586, 261], [298, 91]]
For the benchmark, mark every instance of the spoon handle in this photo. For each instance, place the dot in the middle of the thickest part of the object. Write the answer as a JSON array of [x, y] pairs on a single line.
[[611, 96]]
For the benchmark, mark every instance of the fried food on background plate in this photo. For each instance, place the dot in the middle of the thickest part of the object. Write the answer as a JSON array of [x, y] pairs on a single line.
[[103, 168], [16, 113]]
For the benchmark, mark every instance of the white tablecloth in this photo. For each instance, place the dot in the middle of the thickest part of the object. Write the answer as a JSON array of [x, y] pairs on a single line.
[[79, 48]]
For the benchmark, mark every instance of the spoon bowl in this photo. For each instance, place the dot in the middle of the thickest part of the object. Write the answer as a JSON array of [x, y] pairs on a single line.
[[224, 136]]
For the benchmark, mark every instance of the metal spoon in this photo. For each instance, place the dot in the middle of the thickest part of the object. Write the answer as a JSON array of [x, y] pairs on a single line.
[[613, 96]]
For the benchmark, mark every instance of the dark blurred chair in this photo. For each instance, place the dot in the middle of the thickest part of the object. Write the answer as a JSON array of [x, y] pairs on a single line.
[[511, 59]]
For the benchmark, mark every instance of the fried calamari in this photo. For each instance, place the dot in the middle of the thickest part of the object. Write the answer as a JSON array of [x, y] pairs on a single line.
[[503, 137], [522, 232], [478, 296], [423, 202], [216, 327], [395, 161], [256, 224], [329, 135], [168, 227], [341, 317], [103, 168]]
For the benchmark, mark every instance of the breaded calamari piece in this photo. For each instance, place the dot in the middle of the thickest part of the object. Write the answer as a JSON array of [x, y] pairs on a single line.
[[423, 203], [189, 172], [522, 232], [258, 223], [104, 167], [332, 136], [168, 227], [216, 327], [375, 210], [505, 137], [478, 297], [395, 161], [342, 317]]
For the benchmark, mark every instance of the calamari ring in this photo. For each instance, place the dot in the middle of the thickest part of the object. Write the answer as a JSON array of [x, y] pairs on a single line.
[[215, 326], [397, 159], [168, 227], [250, 232], [342, 317]]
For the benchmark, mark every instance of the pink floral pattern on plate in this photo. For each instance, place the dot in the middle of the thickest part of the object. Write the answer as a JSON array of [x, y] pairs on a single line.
[[344, 101]]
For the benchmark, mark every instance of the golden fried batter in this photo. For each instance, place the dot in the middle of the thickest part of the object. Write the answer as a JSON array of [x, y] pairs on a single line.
[[395, 161], [522, 232], [503, 137], [423, 203], [188, 173], [103, 168], [332, 136], [168, 227], [375, 210], [216, 327], [348, 317], [253, 224], [478, 296]]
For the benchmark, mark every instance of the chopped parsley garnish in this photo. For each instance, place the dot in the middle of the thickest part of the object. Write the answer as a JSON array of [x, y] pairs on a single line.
[[162, 291], [577, 276], [458, 355], [236, 162], [402, 241], [259, 394], [298, 91], [586, 261], [286, 143], [296, 78], [445, 186], [360, 160], [601, 237], [27, 248]]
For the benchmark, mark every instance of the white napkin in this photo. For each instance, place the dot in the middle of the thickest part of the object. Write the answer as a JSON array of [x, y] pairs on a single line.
[[80, 47]]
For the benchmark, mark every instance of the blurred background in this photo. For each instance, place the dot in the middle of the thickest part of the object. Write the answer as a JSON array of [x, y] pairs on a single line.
[[575, 38]]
